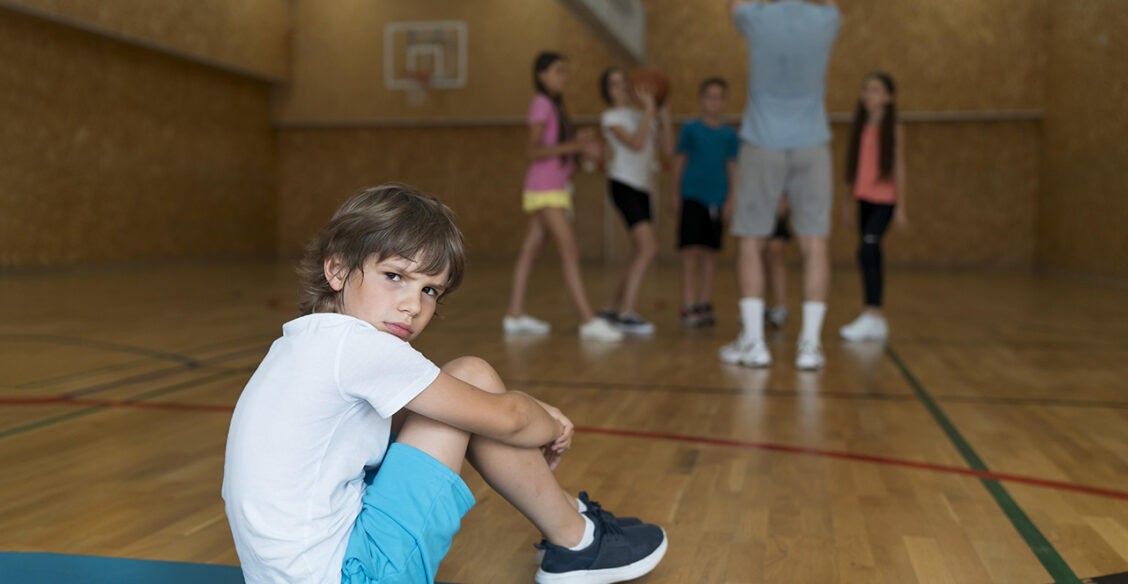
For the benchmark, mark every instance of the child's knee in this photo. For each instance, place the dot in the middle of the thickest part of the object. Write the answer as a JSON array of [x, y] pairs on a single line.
[[475, 371]]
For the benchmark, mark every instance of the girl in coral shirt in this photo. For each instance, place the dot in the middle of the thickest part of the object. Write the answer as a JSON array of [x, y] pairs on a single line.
[[875, 171]]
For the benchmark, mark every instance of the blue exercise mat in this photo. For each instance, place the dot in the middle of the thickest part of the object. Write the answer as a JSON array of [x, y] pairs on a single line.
[[43, 568]]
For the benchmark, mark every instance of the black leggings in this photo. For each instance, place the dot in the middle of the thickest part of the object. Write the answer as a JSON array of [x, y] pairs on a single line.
[[873, 220]]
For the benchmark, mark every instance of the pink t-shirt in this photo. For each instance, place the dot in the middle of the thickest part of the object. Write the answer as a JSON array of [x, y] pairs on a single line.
[[868, 184], [547, 174]]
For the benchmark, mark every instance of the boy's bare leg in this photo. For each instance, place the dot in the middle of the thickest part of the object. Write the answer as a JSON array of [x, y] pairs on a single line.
[[689, 263], [521, 475], [708, 274]]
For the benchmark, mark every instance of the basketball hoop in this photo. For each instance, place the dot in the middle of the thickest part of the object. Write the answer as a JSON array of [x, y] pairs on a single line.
[[419, 84]]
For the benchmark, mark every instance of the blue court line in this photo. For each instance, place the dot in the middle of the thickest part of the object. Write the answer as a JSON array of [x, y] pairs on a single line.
[[48, 568], [1049, 557]]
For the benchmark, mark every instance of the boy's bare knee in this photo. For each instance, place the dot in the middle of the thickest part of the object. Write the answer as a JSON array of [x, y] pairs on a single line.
[[475, 371]]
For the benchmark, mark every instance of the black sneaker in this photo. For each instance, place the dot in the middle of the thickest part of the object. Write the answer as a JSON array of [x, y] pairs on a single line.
[[689, 317], [593, 507], [705, 314], [618, 554], [634, 324], [609, 315]]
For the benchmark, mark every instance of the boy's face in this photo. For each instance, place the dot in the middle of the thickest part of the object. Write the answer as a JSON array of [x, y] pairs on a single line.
[[390, 294], [713, 100]]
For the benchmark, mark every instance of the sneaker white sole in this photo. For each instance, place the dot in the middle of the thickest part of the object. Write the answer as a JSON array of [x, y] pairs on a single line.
[[731, 358], [609, 575]]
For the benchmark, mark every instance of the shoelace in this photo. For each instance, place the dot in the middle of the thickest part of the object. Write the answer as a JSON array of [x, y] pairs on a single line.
[[604, 518]]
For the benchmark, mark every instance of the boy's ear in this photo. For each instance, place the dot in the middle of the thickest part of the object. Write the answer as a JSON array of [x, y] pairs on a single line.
[[336, 273]]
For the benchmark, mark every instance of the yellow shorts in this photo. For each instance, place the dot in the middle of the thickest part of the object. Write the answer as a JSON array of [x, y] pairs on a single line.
[[533, 201]]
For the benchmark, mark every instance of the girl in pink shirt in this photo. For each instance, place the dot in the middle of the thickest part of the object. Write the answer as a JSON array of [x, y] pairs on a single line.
[[875, 172], [552, 149]]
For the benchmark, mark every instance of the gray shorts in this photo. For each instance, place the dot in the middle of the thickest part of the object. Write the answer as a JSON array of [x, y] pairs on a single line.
[[764, 175]]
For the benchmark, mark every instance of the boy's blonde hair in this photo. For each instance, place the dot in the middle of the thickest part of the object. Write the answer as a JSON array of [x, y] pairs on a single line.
[[390, 220]]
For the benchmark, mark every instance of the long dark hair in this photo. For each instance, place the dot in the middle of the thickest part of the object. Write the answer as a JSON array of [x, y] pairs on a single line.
[[605, 83], [888, 132], [544, 60]]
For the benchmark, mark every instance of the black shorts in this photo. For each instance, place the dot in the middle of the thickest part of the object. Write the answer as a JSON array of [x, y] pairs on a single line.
[[781, 230], [631, 202], [701, 225]]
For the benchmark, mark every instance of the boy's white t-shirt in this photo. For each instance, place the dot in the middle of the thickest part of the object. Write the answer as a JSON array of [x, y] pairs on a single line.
[[629, 166], [313, 416]]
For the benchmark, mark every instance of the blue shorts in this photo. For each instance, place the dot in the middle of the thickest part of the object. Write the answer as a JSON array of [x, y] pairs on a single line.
[[412, 507]]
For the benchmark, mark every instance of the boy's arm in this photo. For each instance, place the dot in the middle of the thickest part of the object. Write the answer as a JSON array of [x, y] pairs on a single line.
[[511, 418]]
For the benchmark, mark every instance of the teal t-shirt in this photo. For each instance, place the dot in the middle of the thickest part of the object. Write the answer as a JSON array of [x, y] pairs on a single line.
[[707, 150]]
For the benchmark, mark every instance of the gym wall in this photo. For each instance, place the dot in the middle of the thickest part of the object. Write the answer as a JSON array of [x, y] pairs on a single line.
[[965, 57], [116, 152], [1083, 207]]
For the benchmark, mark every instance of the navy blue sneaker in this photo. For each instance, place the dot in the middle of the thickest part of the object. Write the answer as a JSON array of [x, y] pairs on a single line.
[[617, 554], [609, 315], [593, 507]]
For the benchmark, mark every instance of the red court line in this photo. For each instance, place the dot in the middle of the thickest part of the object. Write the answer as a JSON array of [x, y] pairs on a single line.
[[111, 403], [998, 476], [705, 440]]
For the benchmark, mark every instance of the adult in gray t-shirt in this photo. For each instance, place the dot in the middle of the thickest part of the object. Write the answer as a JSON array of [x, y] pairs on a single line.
[[784, 149]]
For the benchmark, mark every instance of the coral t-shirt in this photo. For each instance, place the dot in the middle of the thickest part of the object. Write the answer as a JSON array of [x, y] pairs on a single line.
[[548, 174], [868, 184]]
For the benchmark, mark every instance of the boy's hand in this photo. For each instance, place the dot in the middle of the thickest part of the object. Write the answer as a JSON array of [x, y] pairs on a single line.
[[555, 450]]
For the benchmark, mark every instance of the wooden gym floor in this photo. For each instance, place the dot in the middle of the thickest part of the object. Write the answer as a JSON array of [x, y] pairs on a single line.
[[987, 443]]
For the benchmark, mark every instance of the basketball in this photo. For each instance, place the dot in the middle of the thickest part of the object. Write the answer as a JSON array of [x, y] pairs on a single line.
[[654, 80]]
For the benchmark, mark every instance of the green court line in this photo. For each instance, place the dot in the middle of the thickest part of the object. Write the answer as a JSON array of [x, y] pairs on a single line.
[[1049, 557], [49, 421]]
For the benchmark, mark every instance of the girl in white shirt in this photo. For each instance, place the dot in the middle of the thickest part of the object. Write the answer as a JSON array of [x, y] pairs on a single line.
[[635, 137]]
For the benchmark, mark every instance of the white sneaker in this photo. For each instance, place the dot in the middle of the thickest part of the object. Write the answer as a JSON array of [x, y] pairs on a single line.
[[745, 352], [598, 329], [866, 327], [524, 325], [809, 356]]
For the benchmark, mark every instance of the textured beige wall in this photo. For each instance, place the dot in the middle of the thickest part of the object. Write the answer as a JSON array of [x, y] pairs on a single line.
[[1084, 203], [338, 64], [478, 172], [973, 186], [980, 179], [246, 35], [950, 55], [112, 152]]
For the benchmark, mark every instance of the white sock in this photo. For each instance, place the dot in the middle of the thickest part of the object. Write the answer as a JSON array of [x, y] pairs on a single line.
[[752, 316], [589, 535], [813, 313]]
